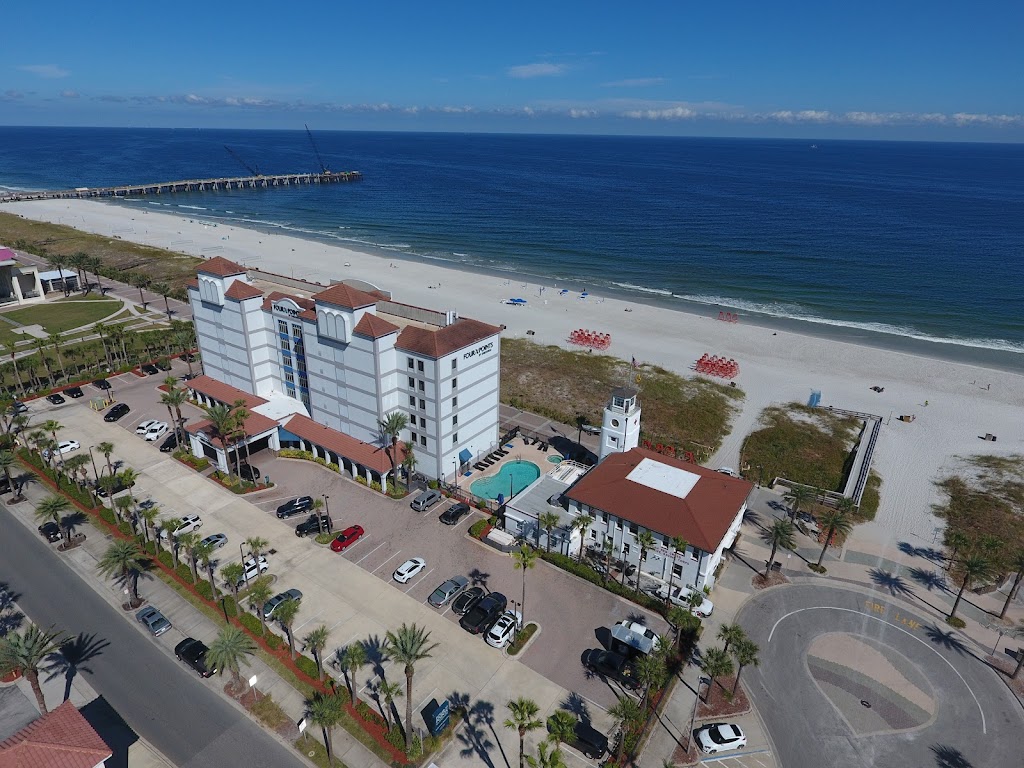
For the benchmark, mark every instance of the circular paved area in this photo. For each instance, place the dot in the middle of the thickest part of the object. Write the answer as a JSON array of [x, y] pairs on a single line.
[[848, 678]]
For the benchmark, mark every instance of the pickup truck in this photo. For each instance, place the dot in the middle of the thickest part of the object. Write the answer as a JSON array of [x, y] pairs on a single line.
[[311, 526], [681, 595]]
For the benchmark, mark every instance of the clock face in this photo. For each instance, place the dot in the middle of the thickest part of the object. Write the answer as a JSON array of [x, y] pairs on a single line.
[[615, 422]]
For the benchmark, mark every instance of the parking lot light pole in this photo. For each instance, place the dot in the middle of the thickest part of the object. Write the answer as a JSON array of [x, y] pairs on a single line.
[[327, 511], [245, 571], [95, 472], [455, 461]]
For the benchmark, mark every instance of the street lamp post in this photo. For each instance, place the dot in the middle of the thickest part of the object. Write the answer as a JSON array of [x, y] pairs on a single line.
[[327, 511], [455, 461], [95, 472], [245, 571]]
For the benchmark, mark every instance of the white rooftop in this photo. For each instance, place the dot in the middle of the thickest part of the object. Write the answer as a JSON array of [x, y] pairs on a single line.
[[280, 406], [662, 477]]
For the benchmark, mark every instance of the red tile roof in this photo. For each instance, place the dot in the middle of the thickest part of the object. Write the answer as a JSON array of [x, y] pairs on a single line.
[[239, 290], [192, 282], [462, 333], [256, 424], [222, 392], [374, 327], [275, 295], [61, 739], [370, 456], [343, 295], [221, 267], [702, 518]]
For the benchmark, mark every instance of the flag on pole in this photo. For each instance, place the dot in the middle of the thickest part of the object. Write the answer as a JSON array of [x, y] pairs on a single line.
[[635, 364]]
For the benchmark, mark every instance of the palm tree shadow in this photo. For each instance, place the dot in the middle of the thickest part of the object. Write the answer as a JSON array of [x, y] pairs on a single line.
[[945, 639], [73, 521], [949, 757], [73, 657], [889, 581], [472, 735], [930, 580], [374, 647], [577, 705], [10, 617], [478, 578]]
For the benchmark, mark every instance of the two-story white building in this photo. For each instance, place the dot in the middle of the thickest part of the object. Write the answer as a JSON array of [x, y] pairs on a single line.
[[351, 357]]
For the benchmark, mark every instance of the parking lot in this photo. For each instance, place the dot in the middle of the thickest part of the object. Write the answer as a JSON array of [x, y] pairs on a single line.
[[353, 593]]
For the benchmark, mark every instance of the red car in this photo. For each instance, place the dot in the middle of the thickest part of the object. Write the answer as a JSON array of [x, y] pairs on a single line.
[[346, 538]]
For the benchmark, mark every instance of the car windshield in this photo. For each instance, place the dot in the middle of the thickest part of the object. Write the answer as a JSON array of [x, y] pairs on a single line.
[[721, 734]]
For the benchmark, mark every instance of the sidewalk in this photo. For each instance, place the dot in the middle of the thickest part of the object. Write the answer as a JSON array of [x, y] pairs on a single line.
[[187, 621], [904, 572]]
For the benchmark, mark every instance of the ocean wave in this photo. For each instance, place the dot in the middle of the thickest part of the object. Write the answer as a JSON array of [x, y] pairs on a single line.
[[793, 312], [194, 207], [643, 289]]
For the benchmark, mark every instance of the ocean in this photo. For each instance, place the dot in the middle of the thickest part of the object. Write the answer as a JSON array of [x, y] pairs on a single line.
[[884, 241]]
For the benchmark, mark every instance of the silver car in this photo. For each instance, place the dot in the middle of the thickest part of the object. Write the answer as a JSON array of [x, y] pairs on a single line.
[[271, 605], [153, 620], [215, 540], [447, 591]]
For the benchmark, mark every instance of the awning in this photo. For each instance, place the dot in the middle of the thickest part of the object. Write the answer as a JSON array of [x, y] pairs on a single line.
[[465, 455]]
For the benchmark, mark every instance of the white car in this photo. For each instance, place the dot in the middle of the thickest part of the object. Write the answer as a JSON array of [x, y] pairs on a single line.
[[189, 523], [728, 471], [504, 629], [253, 568], [155, 431], [720, 737], [144, 425], [681, 596], [407, 570], [65, 446]]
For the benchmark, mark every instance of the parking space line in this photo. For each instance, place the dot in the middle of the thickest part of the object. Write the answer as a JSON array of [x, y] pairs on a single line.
[[296, 629], [737, 756], [357, 562], [374, 571], [420, 579]]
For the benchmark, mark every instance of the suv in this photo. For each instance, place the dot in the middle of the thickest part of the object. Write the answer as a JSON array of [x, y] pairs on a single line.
[[612, 666], [252, 570], [193, 653], [454, 513], [312, 525], [588, 740], [484, 614], [426, 500], [116, 412], [295, 507]]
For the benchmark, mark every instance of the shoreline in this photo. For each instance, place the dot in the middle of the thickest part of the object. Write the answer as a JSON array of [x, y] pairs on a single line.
[[965, 400]]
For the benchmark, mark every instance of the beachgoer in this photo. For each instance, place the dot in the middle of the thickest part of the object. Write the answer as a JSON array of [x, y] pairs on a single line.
[[925, 403]]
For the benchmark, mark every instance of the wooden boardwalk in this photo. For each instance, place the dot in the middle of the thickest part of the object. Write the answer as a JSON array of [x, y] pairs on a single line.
[[190, 185]]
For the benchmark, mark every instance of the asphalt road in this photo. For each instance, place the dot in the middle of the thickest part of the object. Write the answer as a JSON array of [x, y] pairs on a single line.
[[975, 722], [157, 696]]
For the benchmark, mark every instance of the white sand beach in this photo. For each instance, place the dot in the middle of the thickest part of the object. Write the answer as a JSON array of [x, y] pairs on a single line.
[[776, 367]]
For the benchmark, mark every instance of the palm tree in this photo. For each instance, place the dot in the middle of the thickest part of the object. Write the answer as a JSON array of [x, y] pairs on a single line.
[[781, 534], [229, 650], [390, 692], [26, 652], [834, 521], [103, 331], [128, 478], [174, 399], [40, 345], [14, 362], [409, 461], [524, 559], [626, 713], [651, 672], [53, 508], [716, 663], [545, 759], [562, 727], [164, 290], [679, 617], [231, 573], [316, 641], [54, 340], [608, 545], [524, 719], [1015, 563], [645, 539], [222, 425], [107, 449], [407, 646], [679, 544], [974, 568], [259, 593], [257, 546], [184, 340], [94, 263], [124, 560], [731, 634], [286, 613], [190, 543], [77, 468], [140, 281], [325, 711], [241, 415], [391, 429], [204, 552], [7, 462], [169, 525], [582, 524], [148, 516], [547, 521], [350, 660], [745, 651], [797, 496], [77, 261]]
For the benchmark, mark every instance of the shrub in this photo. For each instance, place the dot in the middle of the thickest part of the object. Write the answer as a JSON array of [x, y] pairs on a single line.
[[522, 639], [273, 641], [150, 548], [184, 573], [361, 479], [817, 568], [956, 621], [584, 571], [324, 538], [252, 623], [375, 487], [334, 466], [476, 529], [204, 589], [107, 515], [320, 460], [307, 666], [433, 484], [396, 739], [125, 528], [165, 558]]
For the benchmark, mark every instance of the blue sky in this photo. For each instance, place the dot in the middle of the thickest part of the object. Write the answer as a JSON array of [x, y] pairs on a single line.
[[894, 70]]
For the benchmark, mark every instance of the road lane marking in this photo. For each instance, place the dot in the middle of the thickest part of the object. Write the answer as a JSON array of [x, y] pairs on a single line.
[[898, 629]]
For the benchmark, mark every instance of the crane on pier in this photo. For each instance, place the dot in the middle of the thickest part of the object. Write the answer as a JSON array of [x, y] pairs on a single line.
[[254, 170], [323, 168]]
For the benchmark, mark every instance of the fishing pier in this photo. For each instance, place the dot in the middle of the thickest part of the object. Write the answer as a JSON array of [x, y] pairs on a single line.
[[191, 185]]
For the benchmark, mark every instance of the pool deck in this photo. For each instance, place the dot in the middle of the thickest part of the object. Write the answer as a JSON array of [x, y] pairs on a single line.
[[518, 452]]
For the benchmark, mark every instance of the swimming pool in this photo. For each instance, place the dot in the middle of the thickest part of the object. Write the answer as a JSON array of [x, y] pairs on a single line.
[[513, 477]]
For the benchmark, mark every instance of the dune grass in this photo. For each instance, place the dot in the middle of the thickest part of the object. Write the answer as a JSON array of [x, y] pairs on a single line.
[[985, 500], [561, 384]]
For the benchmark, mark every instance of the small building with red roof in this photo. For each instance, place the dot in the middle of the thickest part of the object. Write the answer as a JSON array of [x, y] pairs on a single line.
[[62, 738]]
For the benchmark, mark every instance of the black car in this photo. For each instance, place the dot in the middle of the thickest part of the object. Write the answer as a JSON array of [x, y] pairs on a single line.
[[119, 486], [56, 398], [50, 531], [612, 666], [465, 602], [116, 412], [249, 473], [17, 407], [101, 384], [588, 740], [190, 376], [293, 507], [170, 443], [193, 653], [312, 525], [150, 370], [454, 513], [484, 614], [73, 392]]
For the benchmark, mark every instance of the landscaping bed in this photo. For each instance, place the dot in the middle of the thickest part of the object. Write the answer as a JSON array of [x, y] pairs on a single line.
[[720, 701]]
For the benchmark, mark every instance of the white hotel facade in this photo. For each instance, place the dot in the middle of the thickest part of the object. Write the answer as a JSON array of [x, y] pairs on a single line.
[[346, 358]]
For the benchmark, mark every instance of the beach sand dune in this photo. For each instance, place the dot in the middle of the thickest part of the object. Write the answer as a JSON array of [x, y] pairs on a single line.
[[776, 366]]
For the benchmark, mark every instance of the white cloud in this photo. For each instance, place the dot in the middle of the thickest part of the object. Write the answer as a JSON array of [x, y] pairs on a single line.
[[44, 70], [667, 113], [69, 94], [583, 113], [540, 69], [635, 82]]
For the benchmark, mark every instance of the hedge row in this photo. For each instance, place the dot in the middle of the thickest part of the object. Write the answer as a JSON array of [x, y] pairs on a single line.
[[584, 571]]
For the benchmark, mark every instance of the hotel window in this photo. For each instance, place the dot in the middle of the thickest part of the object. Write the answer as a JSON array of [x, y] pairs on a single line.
[[455, 363], [287, 358], [677, 571], [632, 528], [455, 402], [455, 384], [423, 422], [409, 359], [593, 533], [412, 383], [455, 420], [455, 438], [289, 377], [282, 327], [419, 366], [625, 549], [423, 405], [296, 330], [422, 386], [412, 401], [413, 437], [423, 439]]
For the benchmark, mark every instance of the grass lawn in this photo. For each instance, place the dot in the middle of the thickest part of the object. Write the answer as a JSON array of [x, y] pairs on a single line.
[[558, 383], [91, 296], [69, 316]]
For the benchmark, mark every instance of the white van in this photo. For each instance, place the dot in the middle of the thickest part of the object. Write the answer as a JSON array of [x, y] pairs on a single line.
[[426, 500]]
